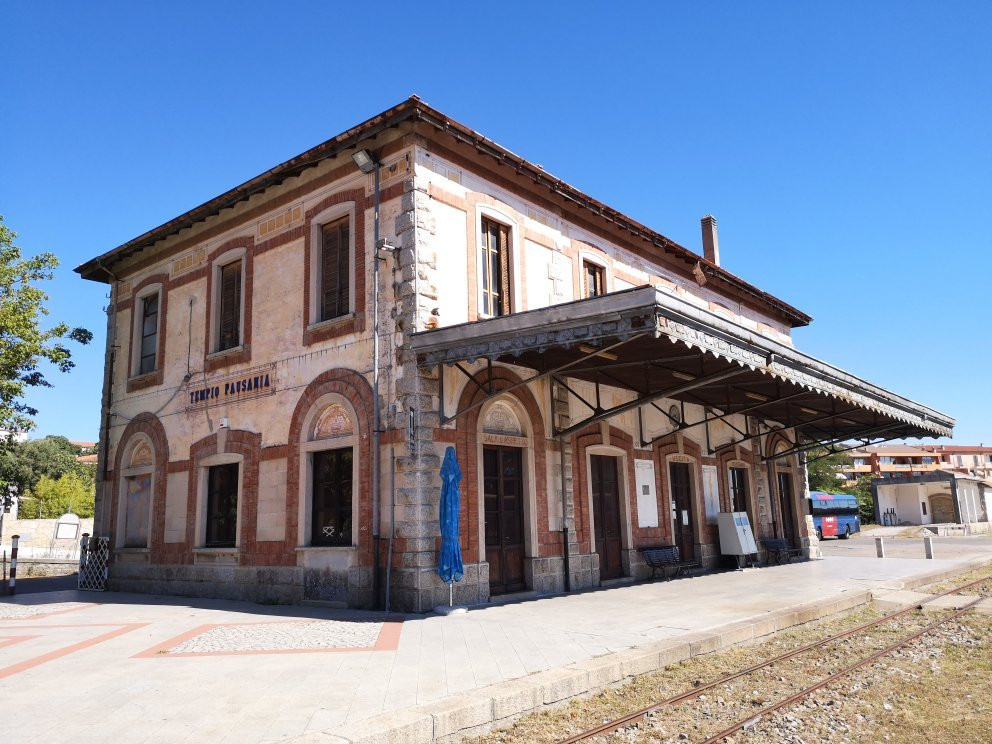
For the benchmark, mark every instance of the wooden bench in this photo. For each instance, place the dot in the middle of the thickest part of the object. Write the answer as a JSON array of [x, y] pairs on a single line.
[[779, 550], [666, 558]]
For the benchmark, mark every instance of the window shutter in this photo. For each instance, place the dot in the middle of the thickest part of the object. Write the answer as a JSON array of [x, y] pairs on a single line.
[[504, 270], [230, 306], [334, 267]]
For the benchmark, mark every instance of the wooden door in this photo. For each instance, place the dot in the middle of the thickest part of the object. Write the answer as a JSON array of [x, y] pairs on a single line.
[[504, 505], [606, 515], [784, 482], [680, 480]]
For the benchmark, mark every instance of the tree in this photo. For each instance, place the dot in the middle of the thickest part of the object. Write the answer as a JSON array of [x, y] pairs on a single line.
[[23, 344], [24, 464], [823, 470], [51, 498]]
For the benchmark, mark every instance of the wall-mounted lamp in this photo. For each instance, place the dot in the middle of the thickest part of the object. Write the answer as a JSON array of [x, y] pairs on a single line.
[[364, 160]]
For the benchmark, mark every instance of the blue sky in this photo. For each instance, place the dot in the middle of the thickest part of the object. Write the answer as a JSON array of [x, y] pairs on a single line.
[[845, 148]]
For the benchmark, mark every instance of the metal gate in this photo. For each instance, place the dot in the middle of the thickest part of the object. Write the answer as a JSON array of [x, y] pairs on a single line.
[[94, 558]]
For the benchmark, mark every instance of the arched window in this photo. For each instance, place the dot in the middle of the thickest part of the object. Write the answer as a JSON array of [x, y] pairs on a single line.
[[331, 463], [136, 494]]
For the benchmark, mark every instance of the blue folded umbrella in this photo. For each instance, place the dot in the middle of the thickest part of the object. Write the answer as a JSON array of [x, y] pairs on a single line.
[[449, 563]]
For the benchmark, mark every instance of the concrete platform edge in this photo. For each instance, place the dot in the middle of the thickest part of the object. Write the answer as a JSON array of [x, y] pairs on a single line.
[[498, 706]]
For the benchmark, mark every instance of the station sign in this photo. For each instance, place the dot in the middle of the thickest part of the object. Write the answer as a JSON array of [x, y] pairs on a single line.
[[232, 388]]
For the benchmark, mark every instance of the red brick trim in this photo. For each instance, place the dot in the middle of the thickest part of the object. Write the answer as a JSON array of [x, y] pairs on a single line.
[[149, 425], [467, 450], [248, 445], [723, 476], [150, 379], [789, 465], [357, 391], [214, 362], [702, 532], [355, 322]]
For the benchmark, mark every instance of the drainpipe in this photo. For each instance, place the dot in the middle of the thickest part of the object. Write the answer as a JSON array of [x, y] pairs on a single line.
[[108, 382], [564, 515], [376, 425]]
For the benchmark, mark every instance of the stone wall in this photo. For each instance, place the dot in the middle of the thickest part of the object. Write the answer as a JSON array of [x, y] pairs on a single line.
[[37, 538]]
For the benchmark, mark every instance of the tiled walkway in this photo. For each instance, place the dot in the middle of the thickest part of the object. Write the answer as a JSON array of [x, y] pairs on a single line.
[[136, 669]]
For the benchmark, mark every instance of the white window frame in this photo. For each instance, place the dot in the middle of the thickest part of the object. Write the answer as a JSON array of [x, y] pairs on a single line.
[[595, 260], [331, 214], [137, 322]]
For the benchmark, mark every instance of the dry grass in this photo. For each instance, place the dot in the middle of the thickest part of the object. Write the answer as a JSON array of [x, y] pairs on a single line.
[[934, 690]]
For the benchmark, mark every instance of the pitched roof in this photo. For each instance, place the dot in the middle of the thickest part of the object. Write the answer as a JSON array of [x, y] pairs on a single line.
[[414, 109]]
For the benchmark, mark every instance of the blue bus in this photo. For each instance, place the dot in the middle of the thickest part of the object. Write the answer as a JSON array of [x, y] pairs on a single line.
[[834, 514]]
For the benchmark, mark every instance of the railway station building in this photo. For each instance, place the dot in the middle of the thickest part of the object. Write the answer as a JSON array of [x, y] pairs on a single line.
[[288, 363]]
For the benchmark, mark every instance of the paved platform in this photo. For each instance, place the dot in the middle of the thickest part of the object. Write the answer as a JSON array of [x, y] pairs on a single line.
[[90, 667]]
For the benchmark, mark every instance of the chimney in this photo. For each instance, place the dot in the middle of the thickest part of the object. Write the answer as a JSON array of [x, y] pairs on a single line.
[[711, 245]]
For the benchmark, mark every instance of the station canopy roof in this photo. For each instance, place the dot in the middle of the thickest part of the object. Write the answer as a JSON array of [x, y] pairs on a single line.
[[657, 345]]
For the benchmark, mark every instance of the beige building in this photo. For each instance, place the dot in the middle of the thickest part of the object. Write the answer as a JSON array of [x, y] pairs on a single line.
[[893, 460], [604, 388]]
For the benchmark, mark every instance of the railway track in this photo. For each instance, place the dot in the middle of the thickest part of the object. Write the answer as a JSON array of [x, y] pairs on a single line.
[[749, 721]]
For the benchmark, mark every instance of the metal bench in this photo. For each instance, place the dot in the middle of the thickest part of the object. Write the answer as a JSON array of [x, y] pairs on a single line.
[[666, 558], [780, 551]]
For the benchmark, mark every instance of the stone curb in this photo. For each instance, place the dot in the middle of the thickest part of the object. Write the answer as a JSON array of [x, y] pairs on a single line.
[[497, 706]]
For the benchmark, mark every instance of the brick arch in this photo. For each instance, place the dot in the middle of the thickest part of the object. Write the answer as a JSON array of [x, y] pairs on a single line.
[[248, 444], [702, 533], [791, 466], [592, 436], [467, 448], [723, 476], [149, 425], [357, 391]]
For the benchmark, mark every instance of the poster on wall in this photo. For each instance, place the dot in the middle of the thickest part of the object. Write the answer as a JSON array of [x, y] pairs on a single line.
[[711, 493], [647, 500]]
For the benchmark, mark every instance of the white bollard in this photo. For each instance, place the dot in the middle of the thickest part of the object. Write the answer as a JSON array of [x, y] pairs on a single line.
[[880, 547], [12, 586], [928, 547]]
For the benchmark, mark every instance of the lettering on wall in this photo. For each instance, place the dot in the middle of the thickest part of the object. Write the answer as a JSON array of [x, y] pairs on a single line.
[[232, 388]]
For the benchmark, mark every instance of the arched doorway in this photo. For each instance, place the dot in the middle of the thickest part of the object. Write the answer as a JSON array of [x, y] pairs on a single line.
[[504, 489]]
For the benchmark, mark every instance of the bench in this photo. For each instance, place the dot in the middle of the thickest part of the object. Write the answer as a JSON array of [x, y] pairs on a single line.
[[666, 558], [779, 550]]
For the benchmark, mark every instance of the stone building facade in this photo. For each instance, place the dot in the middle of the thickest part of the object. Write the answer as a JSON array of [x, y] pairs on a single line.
[[604, 388]]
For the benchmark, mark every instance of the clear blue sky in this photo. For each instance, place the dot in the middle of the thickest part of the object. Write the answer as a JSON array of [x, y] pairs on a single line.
[[845, 148]]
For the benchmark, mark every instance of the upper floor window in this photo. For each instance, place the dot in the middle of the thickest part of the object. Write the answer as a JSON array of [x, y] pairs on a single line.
[[859, 462], [335, 269], [229, 310], [148, 334], [494, 264], [927, 460], [886, 460], [593, 279]]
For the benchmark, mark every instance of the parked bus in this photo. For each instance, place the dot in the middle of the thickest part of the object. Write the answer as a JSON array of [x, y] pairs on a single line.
[[834, 514]]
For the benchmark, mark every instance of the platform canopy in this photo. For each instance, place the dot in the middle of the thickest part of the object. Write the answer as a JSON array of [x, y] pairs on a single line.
[[656, 345]]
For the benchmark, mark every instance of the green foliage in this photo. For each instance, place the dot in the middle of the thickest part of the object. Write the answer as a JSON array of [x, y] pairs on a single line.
[[823, 472], [866, 507], [51, 498], [23, 344], [25, 464]]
